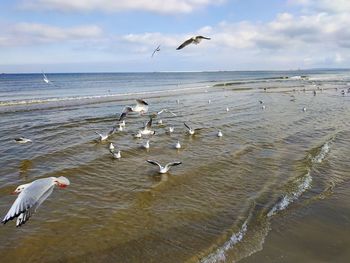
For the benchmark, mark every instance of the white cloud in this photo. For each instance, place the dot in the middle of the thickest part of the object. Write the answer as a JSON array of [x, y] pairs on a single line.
[[22, 34], [157, 6], [329, 6]]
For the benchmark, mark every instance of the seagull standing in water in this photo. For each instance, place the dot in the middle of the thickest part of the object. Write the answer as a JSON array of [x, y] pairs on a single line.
[[31, 196], [156, 50], [116, 155], [219, 133], [178, 145], [140, 107], [193, 40], [146, 145], [164, 169]]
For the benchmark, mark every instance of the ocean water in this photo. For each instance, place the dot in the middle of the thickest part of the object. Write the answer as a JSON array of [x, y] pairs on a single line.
[[274, 188]]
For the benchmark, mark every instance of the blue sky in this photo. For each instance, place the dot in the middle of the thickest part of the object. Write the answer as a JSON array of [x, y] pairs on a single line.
[[119, 36]]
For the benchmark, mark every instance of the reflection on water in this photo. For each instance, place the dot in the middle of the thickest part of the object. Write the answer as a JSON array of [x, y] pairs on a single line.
[[222, 204]]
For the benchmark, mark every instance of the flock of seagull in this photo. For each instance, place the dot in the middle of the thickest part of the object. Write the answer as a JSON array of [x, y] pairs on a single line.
[[32, 195]]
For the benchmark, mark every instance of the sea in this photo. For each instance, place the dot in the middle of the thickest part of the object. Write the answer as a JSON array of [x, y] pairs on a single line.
[[274, 188]]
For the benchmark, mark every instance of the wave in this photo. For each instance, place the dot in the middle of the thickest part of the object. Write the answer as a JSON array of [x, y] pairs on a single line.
[[301, 185], [219, 254], [96, 97], [260, 222]]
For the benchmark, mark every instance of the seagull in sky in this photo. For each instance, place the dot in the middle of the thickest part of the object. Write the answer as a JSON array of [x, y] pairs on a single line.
[[193, 40], [156, 50]]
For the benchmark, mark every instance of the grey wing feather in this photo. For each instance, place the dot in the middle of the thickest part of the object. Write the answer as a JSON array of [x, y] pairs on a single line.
[[125, 111], [142, 102], [208, 38], [173, 164], [186, 43], [188, 127], [153, 162], [149, 124]]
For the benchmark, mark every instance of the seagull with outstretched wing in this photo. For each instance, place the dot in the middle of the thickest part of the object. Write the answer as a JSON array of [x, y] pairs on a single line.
[[193, 40], [164, 169]]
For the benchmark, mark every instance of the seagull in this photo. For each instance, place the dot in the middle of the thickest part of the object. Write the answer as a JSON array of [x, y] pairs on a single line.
[[157, 49], [209, 101], [178, 101], [103, 137], [190, 130], [146, 145], [160, 122], [304, 109], [120, 128], [166, 110], [111, 147], [261, 102], [263, 107], [193, 40], [178, 145], [147, 129], [45, 79], [141, 107], [171, 129], [227, 109], [22, 140], [166, 168], [219, 133], [116, 155], [31, 196]]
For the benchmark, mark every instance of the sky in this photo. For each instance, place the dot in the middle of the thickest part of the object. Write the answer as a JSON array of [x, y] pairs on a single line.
[[120, 35]]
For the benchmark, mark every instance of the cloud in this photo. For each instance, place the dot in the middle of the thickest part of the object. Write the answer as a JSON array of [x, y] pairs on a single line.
[[22, 34], [328, 6], [156, 6]]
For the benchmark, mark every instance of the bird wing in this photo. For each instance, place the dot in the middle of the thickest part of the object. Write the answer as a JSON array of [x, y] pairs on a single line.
[[201, 37], [125, 111], [172, 164], [149, 124], [154, 163], [188, 127], [30, 199], [166, 110], [142, 102], [186, 43], [112, 131], [157, 49]]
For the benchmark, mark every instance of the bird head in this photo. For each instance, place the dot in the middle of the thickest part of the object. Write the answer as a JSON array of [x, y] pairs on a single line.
[[20, 188]]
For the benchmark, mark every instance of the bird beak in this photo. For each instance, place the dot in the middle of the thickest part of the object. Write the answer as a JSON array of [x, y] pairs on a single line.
[[62, 186], [14, 193]]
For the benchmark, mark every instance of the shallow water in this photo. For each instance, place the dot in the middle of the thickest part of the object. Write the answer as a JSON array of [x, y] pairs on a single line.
[[269, 183]]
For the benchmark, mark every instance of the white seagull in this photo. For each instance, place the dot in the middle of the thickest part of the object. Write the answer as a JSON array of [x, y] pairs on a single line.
[[116, 155], [122, 124], [22, 140], [193, 40], [190, 130], [45, 79], [146, 145], [140, 107], [111, 147], [304, 109], [164, 169], [227, 109], [171, 129], [219, 133], [31, 196], [178, 145], [166, 110]]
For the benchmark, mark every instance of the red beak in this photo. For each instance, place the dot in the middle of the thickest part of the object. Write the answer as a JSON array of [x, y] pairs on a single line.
[[14, 193]]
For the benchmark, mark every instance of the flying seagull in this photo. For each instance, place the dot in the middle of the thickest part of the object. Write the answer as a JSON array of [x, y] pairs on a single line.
[[45, 79], [190, 130], [166, 110], [31, 196], [157, 49], [193, 40], [147, 128], [141, 107], [164, 169]]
